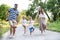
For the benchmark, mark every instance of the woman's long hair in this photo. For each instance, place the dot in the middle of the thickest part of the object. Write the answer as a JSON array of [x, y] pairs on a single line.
[[40, 11]]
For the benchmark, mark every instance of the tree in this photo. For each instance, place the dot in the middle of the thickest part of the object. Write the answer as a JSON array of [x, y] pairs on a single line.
[[33, 7], [54, 7], [3, 9]]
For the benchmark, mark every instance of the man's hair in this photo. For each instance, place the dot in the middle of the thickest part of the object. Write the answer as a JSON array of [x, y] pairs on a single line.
[[16, 4]]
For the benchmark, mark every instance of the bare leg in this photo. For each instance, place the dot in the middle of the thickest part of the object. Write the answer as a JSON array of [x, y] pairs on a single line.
[[24, 29], [44, 27], [30, 33], [14, 27], [11, 30], [41, 28]]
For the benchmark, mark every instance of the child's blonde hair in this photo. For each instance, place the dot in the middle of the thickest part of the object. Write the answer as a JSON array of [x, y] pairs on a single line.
[[30, 17]]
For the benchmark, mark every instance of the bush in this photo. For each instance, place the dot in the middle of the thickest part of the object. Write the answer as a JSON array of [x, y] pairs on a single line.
[[4, 27], [54, 25], [3, 10], [3, 30], [0, 30]]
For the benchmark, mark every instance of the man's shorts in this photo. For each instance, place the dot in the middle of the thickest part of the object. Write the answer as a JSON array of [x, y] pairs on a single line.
[[13, 23]]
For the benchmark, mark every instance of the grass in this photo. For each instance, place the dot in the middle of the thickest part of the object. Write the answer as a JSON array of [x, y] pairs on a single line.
[[4, 27], [35, 24], [53, 26], [3, 30]]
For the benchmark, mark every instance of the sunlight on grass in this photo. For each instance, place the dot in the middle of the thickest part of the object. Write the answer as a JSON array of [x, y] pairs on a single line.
[[4, 27]]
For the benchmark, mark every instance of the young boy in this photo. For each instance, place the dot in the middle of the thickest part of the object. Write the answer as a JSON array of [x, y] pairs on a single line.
[[24, 24], [31, 28]]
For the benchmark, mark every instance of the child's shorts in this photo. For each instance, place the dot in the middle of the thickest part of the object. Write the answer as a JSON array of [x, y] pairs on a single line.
[[24, 26], [31, 29]]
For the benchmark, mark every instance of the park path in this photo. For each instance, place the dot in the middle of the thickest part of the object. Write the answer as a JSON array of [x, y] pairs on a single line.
[[48, 35]]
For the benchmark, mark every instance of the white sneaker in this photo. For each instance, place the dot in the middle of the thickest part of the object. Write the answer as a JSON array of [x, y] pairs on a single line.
[[10, 36], [13, 36]]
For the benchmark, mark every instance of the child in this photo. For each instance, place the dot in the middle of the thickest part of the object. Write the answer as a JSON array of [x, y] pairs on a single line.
[[24, 24], [31, 28]]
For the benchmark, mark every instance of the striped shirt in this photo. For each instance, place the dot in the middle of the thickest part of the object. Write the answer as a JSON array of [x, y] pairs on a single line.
[[12, 14]]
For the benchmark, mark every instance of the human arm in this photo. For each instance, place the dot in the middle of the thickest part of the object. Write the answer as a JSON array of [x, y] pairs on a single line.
[[18, 17], [7, 14]]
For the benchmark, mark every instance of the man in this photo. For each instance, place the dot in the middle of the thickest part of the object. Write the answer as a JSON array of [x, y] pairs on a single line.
[[13, 13]]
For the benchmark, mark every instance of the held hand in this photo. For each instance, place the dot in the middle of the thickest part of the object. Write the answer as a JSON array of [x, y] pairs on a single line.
[[6, 19], [43, 18], [17, 22]]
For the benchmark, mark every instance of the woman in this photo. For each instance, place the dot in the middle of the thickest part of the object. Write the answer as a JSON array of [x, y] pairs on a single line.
[[41, 20]]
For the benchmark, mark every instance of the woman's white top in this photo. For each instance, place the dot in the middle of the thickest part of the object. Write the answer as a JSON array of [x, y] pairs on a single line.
[[31, 22], [24, 21], [42, 18], [40, 15]]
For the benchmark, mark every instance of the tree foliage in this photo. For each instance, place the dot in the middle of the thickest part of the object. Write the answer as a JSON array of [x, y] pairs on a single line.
[[3, 9], [33, 8], [52, 6]]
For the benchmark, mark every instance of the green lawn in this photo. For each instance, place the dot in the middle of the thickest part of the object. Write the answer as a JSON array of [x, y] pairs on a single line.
[[55, 26], [3, 30]]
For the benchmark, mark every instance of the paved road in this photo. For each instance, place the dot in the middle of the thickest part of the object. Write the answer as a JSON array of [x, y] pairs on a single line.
[[48, 35]]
